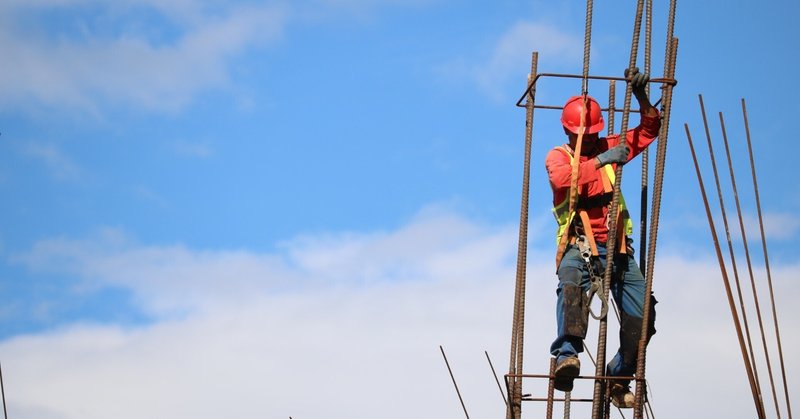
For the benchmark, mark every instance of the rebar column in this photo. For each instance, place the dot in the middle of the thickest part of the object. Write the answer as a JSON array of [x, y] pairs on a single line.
[[514, 408], [599, 385], [766, 258]]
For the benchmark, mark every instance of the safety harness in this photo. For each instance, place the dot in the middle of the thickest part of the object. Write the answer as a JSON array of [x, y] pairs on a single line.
[[578, 231]]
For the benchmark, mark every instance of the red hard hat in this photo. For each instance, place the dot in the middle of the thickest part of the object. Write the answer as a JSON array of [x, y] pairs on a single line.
[[571, 116]]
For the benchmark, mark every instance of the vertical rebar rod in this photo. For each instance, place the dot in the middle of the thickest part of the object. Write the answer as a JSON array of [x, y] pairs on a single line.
[[452, 377], [766, 258], [573, 188], [723, 212], [750, 271], [612, 105], [655, 217], [670, 62], [724, 272], [646, 152], [599, 385], [587, 44], [514, 406], [550, 390]]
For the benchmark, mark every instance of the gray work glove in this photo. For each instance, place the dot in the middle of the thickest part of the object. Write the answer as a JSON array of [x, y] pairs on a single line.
[[638, 82], [617, 154]]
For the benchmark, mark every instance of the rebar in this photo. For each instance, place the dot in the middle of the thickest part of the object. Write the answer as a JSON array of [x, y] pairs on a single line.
[[452, 377], [494, 374], [646, 153], [766, 258], [550, 389], [532, 82], [613, 214], [754, 379], [670, 62], [3, 393], [514, 406], [587, 43], [724, 273], [750, 271]]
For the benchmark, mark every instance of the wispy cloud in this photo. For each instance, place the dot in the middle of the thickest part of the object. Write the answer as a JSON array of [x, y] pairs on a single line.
[[58, 163], [509, 58], [171, 278], [778, 226], [346, 310], [111, 55]]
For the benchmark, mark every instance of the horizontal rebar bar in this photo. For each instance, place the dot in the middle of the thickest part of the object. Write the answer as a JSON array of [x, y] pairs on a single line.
[[663, 80]]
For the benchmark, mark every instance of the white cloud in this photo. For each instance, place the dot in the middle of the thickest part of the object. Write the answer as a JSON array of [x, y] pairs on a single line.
[[346, 325], [511, 55], [98, 67], [778, 226]]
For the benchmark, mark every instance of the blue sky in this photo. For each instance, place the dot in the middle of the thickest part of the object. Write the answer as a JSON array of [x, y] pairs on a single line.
[[230, 198]]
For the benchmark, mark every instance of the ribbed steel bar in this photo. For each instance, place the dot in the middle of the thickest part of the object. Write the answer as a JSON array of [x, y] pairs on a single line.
[[724, 272], [612, 105], [3, 393], [556, 399], [494, 374], [658, 181], [612, 98], [754, 379], [533, 81], [573, 187], [550, 389], [514, 407], [670, 62], [609, 111], [599, 386], [587, 44], [750, 271], [766, 258], [648, 35], [452, 377], [580, 377]]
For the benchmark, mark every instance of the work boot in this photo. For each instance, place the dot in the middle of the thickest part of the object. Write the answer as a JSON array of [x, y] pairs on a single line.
[[621, 395], [567, 369]]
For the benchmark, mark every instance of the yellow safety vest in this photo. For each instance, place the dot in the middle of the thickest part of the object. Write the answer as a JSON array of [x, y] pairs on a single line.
[[564, 216]]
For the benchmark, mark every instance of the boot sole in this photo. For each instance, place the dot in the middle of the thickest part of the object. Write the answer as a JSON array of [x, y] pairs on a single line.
[[565, 377]]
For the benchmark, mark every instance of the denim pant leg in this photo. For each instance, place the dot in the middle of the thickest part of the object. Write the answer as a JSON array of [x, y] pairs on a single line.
[[628, 286], [571, 271], [628, 290]]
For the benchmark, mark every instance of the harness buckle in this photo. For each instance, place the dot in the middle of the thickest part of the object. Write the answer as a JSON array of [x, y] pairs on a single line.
[[595, 281]]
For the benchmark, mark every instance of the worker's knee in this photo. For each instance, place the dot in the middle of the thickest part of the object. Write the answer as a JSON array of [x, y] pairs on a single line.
[[569, 275]]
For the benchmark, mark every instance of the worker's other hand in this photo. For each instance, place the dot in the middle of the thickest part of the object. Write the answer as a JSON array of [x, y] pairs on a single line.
[[618, 154], [638, 82]]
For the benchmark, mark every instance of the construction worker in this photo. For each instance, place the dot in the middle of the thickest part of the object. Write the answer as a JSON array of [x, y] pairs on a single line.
[[582, 237]]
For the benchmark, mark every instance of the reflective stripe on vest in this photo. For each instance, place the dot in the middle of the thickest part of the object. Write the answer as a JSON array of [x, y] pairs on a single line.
[[564, 217]]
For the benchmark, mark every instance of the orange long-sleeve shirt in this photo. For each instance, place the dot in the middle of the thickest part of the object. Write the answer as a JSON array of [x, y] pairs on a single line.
[[590, 185]]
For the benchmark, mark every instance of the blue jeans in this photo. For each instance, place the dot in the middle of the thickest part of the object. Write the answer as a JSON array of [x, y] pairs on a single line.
[[627, 289]]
